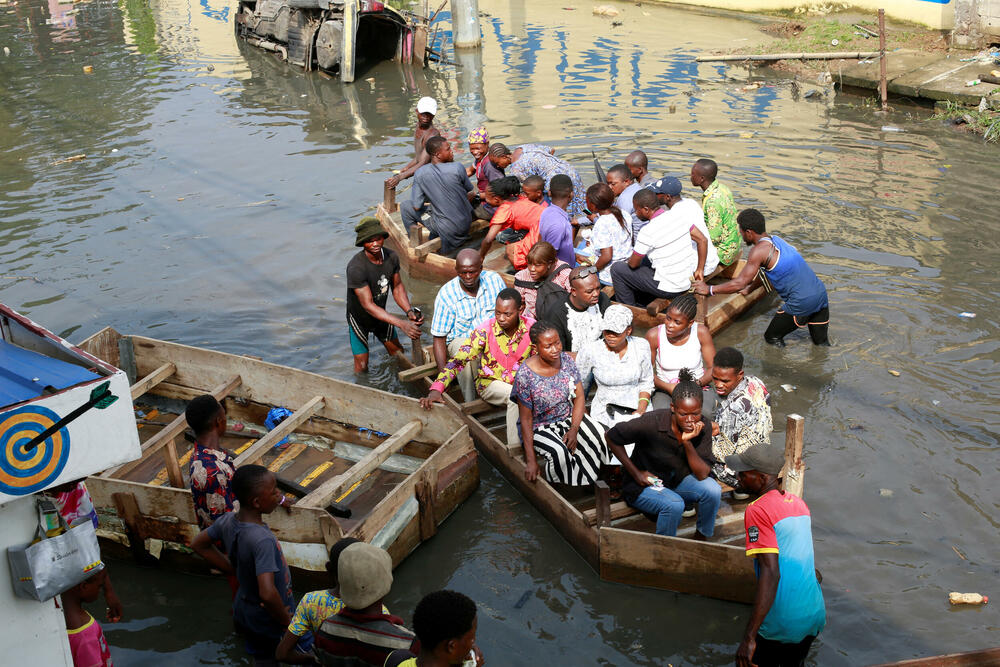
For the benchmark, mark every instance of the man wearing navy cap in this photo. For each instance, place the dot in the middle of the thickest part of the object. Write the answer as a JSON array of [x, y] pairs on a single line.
[[788, 609]]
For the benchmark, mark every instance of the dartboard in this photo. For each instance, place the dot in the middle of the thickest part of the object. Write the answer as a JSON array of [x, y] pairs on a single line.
[[24, 471]]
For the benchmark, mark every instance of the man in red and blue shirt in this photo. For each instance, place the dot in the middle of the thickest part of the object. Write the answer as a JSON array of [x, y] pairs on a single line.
[[788, 609], [212, 466]]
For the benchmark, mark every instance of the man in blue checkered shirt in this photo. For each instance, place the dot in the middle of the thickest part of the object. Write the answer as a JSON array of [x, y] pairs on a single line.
[[461, 305]]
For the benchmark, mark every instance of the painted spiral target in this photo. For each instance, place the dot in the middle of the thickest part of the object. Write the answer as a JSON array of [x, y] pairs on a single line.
[[24, 471]]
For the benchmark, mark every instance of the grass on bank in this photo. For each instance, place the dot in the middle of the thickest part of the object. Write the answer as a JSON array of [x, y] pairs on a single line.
[[986, 123]]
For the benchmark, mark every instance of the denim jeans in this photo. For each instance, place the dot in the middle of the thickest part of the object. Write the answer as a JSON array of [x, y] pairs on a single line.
[[668, 504]]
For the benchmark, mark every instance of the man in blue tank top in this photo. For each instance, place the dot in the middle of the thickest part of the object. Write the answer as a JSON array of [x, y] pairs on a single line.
[[781, 268]]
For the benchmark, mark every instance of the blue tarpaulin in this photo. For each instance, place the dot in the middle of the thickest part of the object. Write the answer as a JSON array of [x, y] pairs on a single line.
[[24, 374]]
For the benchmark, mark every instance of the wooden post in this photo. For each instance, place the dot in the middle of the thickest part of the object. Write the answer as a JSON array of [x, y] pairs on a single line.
[[882, 83], [602, 493], [128, 511], [794, 468], [173, 467], [389, 198], [702, 314], [419, 43], [426, 492], [465, 23]]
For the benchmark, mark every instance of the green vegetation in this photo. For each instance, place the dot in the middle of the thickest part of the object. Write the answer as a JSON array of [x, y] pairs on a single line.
[[986, 123]]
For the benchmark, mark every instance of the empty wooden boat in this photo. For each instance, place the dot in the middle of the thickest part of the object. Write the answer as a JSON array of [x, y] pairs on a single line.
[[419, 255], [358, 461]]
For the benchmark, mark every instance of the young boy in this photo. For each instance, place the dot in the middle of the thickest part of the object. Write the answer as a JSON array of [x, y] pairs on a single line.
[[212, 466], [262, 606], [515, 222], [445, 623], [534, 189], [86, 638]]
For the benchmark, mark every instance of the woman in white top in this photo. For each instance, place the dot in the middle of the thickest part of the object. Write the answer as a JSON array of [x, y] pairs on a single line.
[[678, 343], [621, 367], [612, 235]]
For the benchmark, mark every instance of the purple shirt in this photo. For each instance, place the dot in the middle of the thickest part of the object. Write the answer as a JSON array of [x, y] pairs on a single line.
[[554, 227]]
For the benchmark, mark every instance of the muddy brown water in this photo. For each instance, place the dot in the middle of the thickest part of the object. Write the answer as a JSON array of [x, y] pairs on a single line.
[[216, 204]]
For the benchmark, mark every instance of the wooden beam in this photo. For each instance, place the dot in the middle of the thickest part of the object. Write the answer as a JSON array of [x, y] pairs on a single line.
[[279, 432], [169, 432], [426, 492], [478, 406], [332, 488], [794, 468], [602, 493], [983, 658], [389, 198], [173, 465], [417, 372], [156, 377]]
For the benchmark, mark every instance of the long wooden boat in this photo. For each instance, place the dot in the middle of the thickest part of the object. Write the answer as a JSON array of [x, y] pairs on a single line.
[[619, 542], [359, 462], [987, 657], [419, 255]]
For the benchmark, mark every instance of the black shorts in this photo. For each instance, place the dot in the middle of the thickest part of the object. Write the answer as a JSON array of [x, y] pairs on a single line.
[[359, 335], [770, 653]]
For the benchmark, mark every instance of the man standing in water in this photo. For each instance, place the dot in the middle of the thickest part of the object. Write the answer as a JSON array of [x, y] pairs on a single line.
[[461, 305], [719, 210], [370, 276], [426, 109], [788, 610], [443, 188], [780, 267]]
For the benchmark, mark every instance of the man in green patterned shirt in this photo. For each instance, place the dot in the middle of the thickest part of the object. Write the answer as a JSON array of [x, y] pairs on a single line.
[[720, 211]]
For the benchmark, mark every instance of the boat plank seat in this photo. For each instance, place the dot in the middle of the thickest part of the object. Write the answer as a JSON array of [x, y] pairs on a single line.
[[330, 489], [144, 385], [165, 439], [281, 431], [621, 510]]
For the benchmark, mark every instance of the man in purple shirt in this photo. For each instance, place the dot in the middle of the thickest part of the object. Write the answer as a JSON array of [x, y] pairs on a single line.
[[554, 225]]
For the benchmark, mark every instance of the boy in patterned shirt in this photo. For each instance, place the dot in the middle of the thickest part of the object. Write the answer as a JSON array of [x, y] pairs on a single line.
[[212, 466]]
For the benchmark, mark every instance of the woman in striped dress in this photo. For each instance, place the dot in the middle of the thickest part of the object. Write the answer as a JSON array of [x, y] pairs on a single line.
[[559, 438]]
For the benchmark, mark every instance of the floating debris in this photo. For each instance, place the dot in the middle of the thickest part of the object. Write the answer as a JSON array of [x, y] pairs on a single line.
[[967, 314], [893, 373], [88, 69], [788, 387], [71, 158], [891, 128], [967, 598], [605, 10], [885, 493]]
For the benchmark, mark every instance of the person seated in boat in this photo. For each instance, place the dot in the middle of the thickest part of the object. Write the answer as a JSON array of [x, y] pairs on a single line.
[[611, 238], [779, 266], [679, 343], [426, 110], [534, 189], [671, 461], [461, 305], [445, 624], [490, 168], [554, 225], [742, 418], [212, 466], [686, 213], [443, 189], [561, 441], [363, 632], [371, 275], [577, 315], [263, 602], [539, 160], [638, 165], [500, 345], [719, 210], [619, 364], [624, 187], [515, 218], [662, 259], [543, 266], [479, 146], [314, 608]]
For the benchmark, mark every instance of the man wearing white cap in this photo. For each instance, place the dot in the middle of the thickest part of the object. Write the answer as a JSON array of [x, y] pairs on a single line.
[[427, 108]]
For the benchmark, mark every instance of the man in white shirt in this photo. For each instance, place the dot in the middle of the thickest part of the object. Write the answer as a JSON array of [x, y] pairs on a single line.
[[687, 213], [662, 259]]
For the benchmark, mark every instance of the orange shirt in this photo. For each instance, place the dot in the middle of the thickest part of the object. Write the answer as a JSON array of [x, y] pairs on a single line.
[[521, 213]]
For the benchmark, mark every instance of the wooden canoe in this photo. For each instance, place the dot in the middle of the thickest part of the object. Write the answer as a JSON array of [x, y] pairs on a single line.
[[422, 261], [619, 542], [986, 657], [359, 461]]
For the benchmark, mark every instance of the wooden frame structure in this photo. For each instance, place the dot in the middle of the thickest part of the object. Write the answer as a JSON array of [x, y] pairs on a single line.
[[360, 462], [419, 255]]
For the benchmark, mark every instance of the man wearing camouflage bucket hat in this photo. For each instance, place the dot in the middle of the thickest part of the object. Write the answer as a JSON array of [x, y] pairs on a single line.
[[371, 274], [788, 609]]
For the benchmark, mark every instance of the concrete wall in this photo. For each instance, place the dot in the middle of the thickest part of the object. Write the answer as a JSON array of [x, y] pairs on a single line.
[[31, 633], [939, 14]]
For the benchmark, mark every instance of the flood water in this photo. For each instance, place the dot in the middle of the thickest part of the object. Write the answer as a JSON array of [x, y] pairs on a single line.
[[216, 206]]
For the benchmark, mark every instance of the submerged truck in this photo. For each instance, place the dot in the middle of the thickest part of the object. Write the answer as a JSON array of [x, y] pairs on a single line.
[[329, 35]]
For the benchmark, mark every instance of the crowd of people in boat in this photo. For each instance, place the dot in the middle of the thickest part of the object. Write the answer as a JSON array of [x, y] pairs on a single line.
[[672, 422]]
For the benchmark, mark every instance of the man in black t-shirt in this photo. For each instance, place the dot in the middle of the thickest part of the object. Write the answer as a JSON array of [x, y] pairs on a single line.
[[371, 274], [576, 315]]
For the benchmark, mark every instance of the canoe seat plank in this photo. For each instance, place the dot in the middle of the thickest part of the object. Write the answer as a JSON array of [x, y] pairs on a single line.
[[281, 431], [156, 377], [330, 489]]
